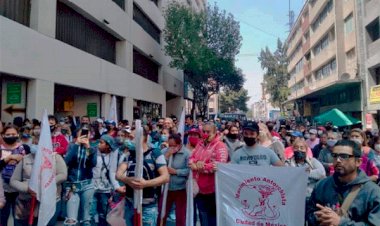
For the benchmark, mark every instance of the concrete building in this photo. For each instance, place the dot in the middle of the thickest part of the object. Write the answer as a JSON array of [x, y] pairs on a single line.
[[71, 56], [369, 39], [263, 109], [213, 104], [323, 59]]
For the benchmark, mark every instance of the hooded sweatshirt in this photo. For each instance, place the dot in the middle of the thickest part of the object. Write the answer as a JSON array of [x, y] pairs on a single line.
[[210, 153], [364, 210]]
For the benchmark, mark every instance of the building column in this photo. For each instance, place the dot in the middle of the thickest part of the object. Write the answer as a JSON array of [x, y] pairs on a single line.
[[106, 104], [124, 55], [128, 109], [43, 16], [40, 97]]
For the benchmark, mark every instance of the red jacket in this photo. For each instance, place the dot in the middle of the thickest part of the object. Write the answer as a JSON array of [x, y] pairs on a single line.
[[215, 151], [60, 144]]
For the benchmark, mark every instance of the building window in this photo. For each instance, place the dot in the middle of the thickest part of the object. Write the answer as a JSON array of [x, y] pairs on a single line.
[[76, 30], [373, 30], [147, 24], [322, 16], [325, 70], [211, 110], [211, 99], [17, 10], [145, 67], [348, 25], [350, 54], [120, 3], [321, 45]]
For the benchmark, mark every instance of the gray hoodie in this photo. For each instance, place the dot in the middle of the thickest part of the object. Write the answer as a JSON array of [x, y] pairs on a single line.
[[364, 210]]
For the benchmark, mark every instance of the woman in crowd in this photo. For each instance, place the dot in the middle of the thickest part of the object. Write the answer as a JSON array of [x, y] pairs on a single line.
[[79, 189], [12, 151], [179, 172], [203, 160], [265, 140], [313, 167], [155, 174], [20, 182], [368, 164]]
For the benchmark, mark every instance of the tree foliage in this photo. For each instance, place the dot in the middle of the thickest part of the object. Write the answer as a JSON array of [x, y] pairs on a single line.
[[276, 76], [231, 101], [204, 45]]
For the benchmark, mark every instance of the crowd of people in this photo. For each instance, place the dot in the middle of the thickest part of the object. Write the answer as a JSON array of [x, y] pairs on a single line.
[[96, 161]]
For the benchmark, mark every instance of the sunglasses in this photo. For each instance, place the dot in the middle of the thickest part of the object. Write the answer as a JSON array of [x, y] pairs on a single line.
[[341, 156]]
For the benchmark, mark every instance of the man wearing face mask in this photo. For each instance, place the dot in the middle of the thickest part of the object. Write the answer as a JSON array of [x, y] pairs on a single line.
[[325, 156], [232, 140], [58, 140], [313, 139], [253, 153]]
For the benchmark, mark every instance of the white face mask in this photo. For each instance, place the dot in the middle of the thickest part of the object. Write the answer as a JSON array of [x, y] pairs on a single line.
[[377, 147]]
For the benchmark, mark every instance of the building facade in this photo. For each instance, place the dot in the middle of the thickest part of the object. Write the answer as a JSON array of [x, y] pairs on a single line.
[[323, 59], [71, 56], [369, 11]]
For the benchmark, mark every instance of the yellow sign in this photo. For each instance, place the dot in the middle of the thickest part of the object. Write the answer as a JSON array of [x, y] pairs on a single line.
[[374, 95]]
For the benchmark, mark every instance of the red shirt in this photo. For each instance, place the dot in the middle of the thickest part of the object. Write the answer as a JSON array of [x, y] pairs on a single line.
[[215, 151], [60, 144]]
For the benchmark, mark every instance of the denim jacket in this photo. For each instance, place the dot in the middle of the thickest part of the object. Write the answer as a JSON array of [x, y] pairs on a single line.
[[180, 164], [80, 162]]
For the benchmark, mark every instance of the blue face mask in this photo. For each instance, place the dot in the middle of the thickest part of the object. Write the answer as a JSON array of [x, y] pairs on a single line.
[[164, 138], [131, 146]]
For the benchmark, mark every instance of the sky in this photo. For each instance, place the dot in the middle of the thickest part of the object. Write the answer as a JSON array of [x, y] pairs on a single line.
[[262, 22]]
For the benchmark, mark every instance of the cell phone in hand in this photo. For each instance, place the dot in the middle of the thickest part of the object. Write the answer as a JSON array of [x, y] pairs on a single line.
[[84, 132]]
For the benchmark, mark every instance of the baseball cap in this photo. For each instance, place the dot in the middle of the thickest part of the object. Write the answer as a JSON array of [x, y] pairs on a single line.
[[109, 140], [313, 131], [194, 130], [251, 125], [296, 134]]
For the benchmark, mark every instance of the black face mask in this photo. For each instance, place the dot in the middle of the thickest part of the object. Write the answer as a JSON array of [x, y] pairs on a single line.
[[299, 155], [250, 141], [232, 136], [10, 140], [52, 128]]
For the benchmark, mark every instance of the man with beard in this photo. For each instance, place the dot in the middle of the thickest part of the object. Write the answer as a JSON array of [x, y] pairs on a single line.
[[348, 197]]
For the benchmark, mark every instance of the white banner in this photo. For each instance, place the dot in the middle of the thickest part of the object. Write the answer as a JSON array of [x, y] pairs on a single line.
[[42, 180], [260, 196]]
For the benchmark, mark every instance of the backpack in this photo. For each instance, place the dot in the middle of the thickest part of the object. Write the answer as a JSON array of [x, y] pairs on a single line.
[[148, 174]]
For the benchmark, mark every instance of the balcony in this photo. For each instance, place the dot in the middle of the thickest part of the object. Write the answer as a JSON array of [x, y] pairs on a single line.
[[307, 68], [294, 41]]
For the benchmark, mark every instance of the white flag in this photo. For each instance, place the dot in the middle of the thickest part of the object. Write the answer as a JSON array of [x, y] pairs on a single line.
[[42, 180], [181, 125], [112, 115], [249, 195]]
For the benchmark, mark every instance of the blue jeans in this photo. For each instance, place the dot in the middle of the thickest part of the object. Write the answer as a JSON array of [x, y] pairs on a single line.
[[206, 205], [149, 214], [80, 202], [100, 207]]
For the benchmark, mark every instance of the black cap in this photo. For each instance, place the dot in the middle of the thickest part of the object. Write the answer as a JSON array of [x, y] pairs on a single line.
[[251, 125]]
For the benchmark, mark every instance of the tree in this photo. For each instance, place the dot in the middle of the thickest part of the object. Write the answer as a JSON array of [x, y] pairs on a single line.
[[231, 101], [204, 45], [276, 76]]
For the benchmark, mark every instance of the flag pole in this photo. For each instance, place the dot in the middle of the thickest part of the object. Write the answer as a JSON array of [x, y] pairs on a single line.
[[31, 211], [138, 193]]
